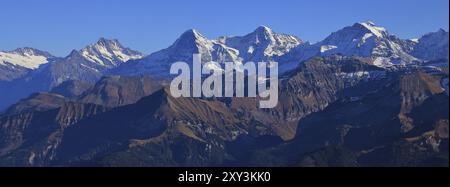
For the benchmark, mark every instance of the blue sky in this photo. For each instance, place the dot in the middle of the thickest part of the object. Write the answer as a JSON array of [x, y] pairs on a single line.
[[58, 26]]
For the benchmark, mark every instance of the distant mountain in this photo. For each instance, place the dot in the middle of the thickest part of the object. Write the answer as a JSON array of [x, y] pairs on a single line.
[[16, 64], [432, 46], [32, 70], [108, 53], [361, 39], [190, 42], [25, 57], [86, 65], [262, 44]]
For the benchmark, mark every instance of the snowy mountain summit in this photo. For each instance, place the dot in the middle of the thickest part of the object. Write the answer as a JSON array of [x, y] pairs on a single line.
[[367, 40], [108, 53], [261, 44], [24, 57], [88, 64], [17, 63], [364, 39], [191, 42]]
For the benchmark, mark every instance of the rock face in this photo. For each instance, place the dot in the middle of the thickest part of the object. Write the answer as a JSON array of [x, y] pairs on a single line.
[[42, 130], [388, 127], [119, 90], [432, 46], [10, 72], [37, 102], [72, 88]]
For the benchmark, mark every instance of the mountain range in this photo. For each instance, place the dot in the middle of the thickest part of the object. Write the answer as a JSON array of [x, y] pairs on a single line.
[[360, 97]]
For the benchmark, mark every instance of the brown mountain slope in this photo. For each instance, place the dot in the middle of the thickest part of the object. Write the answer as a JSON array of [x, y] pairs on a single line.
[[116, 91]]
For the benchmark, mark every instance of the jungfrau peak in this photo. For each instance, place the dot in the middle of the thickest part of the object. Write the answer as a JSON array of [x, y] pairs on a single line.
[[377, 31], [364, 39]]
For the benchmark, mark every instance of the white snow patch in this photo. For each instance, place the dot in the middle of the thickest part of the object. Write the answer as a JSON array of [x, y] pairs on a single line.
[[374, 75], [123, 57], [31, 158], [104, 52], [91, 57], [382, 62], [325, 48], [251, 49], [415, 40], [377, 31], [27, 60], [366, 36]]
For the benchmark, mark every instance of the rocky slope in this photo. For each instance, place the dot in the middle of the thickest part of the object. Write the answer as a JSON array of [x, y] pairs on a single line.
[[354, 102]]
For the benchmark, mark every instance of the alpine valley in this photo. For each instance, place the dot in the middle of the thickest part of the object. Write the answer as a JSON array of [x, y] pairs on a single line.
[[359, 97]]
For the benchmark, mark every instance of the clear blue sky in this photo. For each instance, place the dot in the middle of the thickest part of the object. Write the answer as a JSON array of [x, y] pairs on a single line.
[[58, 26]]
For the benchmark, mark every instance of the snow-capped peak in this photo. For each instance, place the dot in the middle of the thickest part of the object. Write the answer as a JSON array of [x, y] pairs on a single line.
[[261, 44], [370, 26], [264, 31], [195, 33], [112, 44], [363, 39], [28, 51], [189, 37], [25, 57], [109, 53], [192, 41]]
